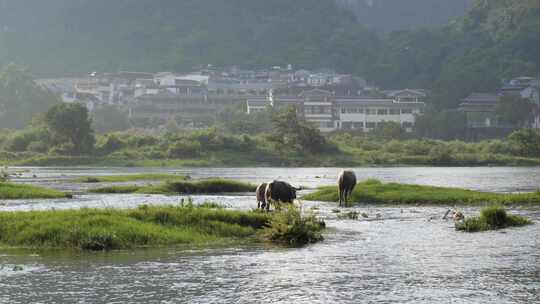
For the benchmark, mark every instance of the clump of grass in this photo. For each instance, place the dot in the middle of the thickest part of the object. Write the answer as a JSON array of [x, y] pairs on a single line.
[[117, 189], [130, 178], [291, 228], [21, 191], [373, 191], [208, 186], [492, 218]]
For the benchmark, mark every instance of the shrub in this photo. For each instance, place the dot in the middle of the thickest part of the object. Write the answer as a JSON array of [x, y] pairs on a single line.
[[111, 144], [492, 218], [184, 148], [291, 228], [38, 147]]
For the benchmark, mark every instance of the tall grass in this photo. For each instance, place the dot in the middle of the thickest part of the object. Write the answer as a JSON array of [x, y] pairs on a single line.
[[130, 178], [290, 227], [208, 186], [109, 229], [92, 229], [373, 191], [21, 191], [492, 218]]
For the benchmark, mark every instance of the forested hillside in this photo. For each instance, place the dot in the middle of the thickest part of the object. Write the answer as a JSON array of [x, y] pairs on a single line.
[[59, 36], [494, 40], [390, 15]]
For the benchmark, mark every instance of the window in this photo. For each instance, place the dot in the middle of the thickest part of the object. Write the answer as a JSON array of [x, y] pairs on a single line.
[[343, 110], [371, 111], [394, 111], [406, 111], [358, 125], [346, 125], [360, 111], [371, 125], [382, 112]]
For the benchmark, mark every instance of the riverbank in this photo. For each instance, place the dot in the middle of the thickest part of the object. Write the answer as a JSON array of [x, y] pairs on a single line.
[[376, 192], [346, 157], [20, 191], [150, 226], [207, 186]]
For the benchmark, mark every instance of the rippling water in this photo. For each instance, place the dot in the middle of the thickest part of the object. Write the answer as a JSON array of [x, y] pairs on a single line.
[[405, 255]]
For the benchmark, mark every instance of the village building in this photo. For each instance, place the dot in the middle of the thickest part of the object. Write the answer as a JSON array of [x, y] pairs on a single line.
[[480, 110], [331, 113]]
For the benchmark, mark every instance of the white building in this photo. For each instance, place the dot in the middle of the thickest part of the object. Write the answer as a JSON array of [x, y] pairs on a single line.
[[331, 113]]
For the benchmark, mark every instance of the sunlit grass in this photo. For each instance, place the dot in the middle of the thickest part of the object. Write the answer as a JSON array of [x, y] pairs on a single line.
[[492, 218], [130, 178], [21, 191], [154, 226], [375, 192], [208, 186]]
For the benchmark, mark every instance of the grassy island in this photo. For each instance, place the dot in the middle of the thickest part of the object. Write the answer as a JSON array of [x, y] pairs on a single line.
[[149, 226], [130, 178], [376, 192], [208, 186], [21, 191], [492, 218]]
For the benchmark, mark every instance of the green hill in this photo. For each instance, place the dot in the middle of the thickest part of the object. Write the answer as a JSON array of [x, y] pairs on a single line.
[[494, 40]]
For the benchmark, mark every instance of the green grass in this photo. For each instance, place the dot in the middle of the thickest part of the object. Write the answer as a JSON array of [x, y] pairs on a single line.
[[375, 192], [289, 227], [21, 191], [129, 178], [492, 218], [208, 186], [151, 226]]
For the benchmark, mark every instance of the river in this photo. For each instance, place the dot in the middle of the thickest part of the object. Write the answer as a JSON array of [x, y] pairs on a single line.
[[397, 255]]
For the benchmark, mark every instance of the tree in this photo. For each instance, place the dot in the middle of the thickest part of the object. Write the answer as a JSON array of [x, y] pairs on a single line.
[[515, 110], [296, 134], [527, 142], [389, 130], [70, 124], [110, 119], [21, 98]]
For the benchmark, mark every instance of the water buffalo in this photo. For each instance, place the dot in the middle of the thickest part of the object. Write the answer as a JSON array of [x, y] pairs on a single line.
[[261, 200], [346, 184], [278, 191]]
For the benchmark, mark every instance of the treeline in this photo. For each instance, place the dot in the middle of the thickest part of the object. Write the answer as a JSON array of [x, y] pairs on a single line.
[[495, 40], [64, 135]]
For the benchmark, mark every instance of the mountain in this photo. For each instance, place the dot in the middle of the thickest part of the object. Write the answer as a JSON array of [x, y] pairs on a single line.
[[65, 36], [390, 15], [493, 40]]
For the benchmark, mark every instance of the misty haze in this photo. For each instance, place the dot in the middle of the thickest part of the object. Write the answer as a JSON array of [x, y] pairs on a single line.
[[269, 151]]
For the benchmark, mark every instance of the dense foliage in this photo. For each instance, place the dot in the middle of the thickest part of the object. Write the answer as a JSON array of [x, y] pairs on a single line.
[[21, 98]]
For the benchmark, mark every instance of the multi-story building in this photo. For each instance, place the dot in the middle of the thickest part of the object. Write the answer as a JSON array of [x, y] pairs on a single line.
[[330, 113]]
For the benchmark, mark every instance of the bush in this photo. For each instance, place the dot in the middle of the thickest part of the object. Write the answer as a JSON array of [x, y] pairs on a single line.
[[38, 147], [184, 148], [111, 144], [291, 228], [492, 218]]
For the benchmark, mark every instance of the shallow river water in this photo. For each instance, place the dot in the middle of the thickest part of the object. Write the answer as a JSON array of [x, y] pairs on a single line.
[[397, 255]]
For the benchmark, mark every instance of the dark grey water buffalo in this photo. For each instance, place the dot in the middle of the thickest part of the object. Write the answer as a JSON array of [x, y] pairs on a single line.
[[346, 184], [261, 199], [278, 191]]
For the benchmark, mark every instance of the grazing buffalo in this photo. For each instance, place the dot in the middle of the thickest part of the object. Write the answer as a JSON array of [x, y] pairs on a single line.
[[346, 184], [278, 191], [261, 200]]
